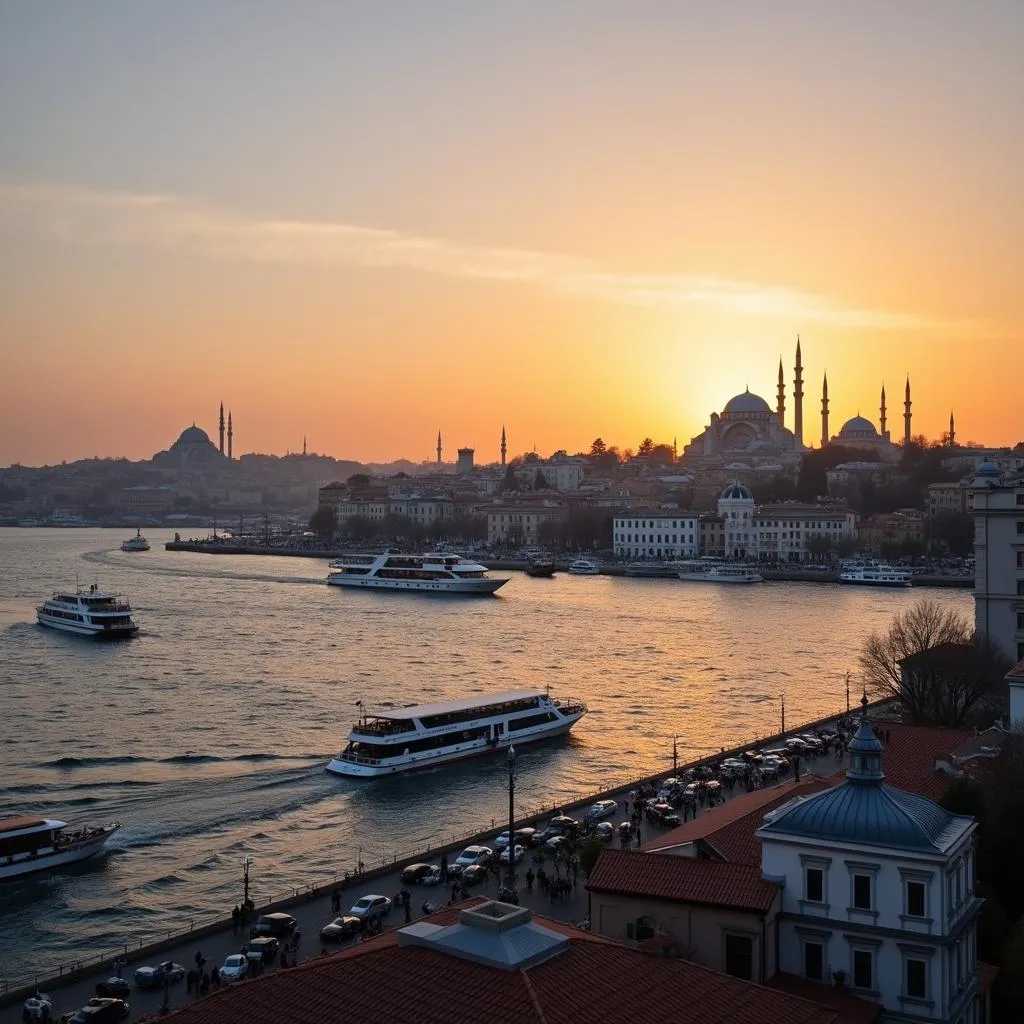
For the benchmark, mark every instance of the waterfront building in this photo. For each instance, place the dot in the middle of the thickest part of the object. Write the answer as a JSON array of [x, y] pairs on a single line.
[[146, 498], [640, 534], [999, 558], [891, 530], [848, 480], [519, 522], [949, 498], [712, 535]]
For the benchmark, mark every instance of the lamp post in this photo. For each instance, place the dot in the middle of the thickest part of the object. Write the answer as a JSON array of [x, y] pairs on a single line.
[[675, 755], [246, 861], [783, 699], [511, 820], [847, 692]]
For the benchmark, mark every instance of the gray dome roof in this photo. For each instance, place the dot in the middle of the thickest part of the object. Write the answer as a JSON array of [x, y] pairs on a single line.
[[736, 492], [858, 425], [194, 435], [988, 469], [746, 403]]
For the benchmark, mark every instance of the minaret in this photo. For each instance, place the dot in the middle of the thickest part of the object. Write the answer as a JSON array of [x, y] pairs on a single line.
[[439, 447], [906, 415], [675, 448], [231, 434], [952, 430], [504, 446], [798, 397], [780, 408], [303, 444], [222, 428], [824, 412], [885, 433]]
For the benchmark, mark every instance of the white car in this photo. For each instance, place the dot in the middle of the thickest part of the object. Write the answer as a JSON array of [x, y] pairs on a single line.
[[501, 841], [604, 830], [234, 968], [370, 907], [38, 1007], [471, 855], [503, 856], [601, 809]]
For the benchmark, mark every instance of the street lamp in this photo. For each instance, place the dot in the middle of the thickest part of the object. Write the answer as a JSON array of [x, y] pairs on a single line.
[[783, 700], [511, 820], [246, 861]]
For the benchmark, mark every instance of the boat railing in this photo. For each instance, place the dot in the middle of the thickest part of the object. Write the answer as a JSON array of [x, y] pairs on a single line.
[[383, 728], [569, 705]]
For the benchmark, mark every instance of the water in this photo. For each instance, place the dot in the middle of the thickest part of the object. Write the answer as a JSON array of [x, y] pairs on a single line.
[[207, 735]]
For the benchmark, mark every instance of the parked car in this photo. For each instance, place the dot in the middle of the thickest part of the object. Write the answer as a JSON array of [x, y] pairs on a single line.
[[524, 836], [604, 830], [263, 947], [154, 977], [371, 907], [541, 836], [98, 1011], [114, 987], [234, 968], [37, 1007], [341, 928], [278, 925], [563, 823], [625, 828], [601, 809], [421, 874], [474, 874], [556, 844], [471, 855], [518, 854]]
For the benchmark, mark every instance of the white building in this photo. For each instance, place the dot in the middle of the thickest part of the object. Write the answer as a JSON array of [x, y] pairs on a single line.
[[878, 890], [999, 558], [656, 535], [563, 472]]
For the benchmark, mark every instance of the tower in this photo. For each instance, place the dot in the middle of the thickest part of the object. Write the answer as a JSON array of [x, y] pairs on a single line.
[[231, 434], [780, 408], [304, 444], [675, 449], [952, 430], [222, 428], [906, 415], [881, 410], [504, 446], [798, 397], [439, 447], [824, 411]]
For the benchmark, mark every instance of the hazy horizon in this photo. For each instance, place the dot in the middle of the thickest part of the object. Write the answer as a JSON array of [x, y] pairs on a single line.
[[363, 223]]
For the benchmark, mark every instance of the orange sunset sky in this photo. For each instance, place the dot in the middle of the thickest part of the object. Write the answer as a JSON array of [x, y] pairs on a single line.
[[365, 222]]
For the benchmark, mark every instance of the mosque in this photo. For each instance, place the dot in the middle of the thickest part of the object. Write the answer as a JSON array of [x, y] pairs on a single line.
[[194, 447], [748, 435]]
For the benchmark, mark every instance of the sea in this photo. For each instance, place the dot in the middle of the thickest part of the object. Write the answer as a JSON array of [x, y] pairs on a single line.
[[207, 735]]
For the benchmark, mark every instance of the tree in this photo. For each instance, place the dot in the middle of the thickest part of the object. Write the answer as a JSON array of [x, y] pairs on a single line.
[[646, 447], [954, 531], [941, 686], [359, 480], [539, 482], [323, 521], [819, 546], [510, 481], [663, 455], [597, 449], [591, 850]]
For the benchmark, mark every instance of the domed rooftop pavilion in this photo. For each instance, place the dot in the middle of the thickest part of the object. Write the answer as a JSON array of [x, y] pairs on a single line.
[[746, 404], [736, 492], [858, 427]]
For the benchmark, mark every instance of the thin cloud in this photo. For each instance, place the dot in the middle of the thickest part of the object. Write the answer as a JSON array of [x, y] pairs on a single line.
[[172, 223]]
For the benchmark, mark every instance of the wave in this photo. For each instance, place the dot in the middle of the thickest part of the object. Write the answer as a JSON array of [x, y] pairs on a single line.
[[95, 762], [88, 762]]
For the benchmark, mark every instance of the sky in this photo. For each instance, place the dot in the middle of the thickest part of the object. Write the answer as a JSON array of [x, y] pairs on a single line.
[[364, 222]]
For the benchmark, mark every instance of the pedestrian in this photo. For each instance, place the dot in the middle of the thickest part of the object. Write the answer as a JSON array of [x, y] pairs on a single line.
[[204, 985], [215, 978], [529, 880], [408, 912], [190, 981], [638, 836], [444, 869], [199, 960], [575, 869], [236, 917], [284, 958]]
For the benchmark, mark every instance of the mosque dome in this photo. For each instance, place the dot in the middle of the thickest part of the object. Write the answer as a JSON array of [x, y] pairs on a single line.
[[745, 404], [194, 435], [988, 469], [857, 427], [736, 492]]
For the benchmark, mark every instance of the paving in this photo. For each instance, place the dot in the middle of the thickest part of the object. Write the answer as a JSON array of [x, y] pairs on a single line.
[[314, 912]]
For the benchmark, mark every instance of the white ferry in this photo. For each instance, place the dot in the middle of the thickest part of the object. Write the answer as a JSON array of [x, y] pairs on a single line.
[[136, 543], [584, 567], [425, 735], [716, 572], [438, 573], [88, 612], [29, 844], [876, 576]]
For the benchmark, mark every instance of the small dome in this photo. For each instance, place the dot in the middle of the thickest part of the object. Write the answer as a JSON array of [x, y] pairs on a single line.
[[736, 492], [858, 425], [194, 435], [746, 403], [988, 469]]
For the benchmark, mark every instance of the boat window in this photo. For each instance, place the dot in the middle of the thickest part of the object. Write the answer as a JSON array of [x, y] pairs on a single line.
[[531, 720]]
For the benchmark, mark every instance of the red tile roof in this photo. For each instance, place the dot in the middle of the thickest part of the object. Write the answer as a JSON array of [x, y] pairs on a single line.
[[909, 753], [382, 981], [851, 1009], [1017, 672], [683, 880]]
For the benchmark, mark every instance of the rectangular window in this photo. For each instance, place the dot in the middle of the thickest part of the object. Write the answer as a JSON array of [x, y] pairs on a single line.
[[814, 885], [915, 899], [1020, 527], [862, 892], [1020, 617], [917, 979], [863, 969], [739, 956], [814, 961], [1020, 588], [1020, 499], [1020, 559]]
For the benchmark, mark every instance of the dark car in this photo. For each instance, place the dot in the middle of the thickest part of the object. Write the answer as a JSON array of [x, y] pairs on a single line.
[[340, 928], [564, 823], [421, 874], [474, 874], [154, 977], [113, 987], [277, 925], [99, 1011], [263, 947]]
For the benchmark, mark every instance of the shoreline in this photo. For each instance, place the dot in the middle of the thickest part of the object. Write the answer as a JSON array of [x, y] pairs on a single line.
[[516, 565]]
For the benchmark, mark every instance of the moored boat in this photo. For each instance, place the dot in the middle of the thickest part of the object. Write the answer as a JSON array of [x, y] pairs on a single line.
[[88, 612], [876, 576], [29, 844], [136, 543], [584, 567], [425, 735], [716, 572], [433, 573], [542, 568]]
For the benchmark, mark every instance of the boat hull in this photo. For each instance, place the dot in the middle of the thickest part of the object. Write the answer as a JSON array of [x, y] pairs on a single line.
[[482, 587], [876, 583], [707, 578], [19, 867], [457, 752], [84, 629]]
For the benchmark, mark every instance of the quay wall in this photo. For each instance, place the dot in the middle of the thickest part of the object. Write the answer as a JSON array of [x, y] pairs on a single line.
[[15, 990], [786, 575]]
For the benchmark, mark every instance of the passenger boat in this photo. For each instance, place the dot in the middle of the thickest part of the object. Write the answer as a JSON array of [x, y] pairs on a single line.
[[652, 570], [136, 543], [876, 576], [543, 568], [436, 573], [584, 567], [29, 844], [425, 735], [88, 612], [715, 572]]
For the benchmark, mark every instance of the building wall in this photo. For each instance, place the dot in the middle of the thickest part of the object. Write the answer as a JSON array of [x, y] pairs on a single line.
[[520, 524], [649, 535], [697, 931], [783, 531]]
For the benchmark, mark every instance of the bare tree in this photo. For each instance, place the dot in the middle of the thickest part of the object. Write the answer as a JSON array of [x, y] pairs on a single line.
[[940, 670]]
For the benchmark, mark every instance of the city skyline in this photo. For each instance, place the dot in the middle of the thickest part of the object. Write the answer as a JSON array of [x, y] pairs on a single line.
[[364, 225]]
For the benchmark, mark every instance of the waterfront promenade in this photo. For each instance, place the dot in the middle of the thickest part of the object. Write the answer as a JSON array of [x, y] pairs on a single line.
[[311, 906]]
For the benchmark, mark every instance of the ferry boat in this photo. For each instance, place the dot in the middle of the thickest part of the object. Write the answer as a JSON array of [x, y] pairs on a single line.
[[876, 576], [701, 572], [652, 570], [88, 612], [29, 844], [437, 573], [425, 735], [136, 543], [541, 568], [584, 567]]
